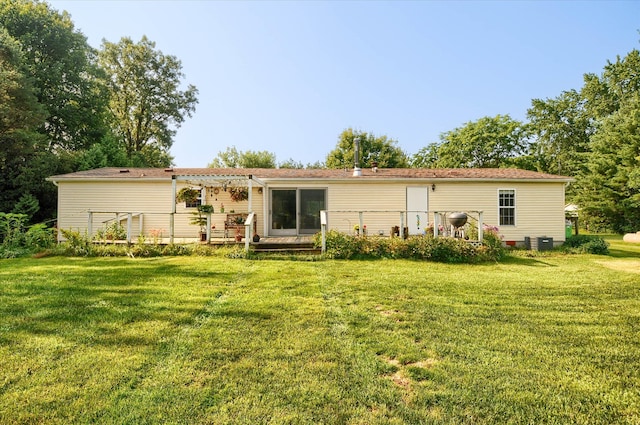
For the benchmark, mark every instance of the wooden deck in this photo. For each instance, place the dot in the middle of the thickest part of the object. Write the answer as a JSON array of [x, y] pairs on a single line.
[[268, 244]]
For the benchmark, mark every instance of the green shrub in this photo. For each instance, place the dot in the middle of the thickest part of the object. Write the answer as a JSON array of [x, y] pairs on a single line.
[[39, 237], [176, 250], [339, 245], [12, 252], [113, 232], [107, 251], [492, 246], [596, 246], [142, 249], [576, 241], [203, 250], [17, 239], [426, 247], [586, 244], [78, 245], [235, 252], [451, 250], [12, 229], [75, 244]]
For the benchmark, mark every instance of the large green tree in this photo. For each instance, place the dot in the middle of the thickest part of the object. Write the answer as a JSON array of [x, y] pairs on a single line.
[[64, 103], [561, 130], [490, 142], [291, 164], [619, 82], [20, 117], [146, 102], [609, 188], [379, 149], [62, 67], [426, 157], [233, 158]]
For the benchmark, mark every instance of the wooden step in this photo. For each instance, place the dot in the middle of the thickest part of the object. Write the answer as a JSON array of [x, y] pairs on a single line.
[[307, 248]]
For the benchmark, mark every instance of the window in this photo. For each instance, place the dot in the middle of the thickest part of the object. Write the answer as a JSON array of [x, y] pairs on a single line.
[[507, 207], [194, 204]]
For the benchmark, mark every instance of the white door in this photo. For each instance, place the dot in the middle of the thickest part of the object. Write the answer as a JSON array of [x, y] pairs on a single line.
[[417, 209]]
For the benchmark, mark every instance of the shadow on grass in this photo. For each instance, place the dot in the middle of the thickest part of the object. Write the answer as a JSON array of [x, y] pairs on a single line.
[[526, 261], [101, 301], [624, 252], [245, 315], [620, 249]]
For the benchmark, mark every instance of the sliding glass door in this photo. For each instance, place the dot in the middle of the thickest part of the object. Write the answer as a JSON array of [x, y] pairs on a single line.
[[296, 211], [283, 212], [311, 202]]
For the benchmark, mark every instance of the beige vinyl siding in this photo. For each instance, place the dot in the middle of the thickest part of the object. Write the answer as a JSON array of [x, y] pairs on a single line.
[[539, 206], [539, 212], [76, 199], [379, 201], [152, 199]]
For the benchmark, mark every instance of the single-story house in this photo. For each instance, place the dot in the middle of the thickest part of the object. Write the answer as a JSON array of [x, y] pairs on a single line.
[[523, 205]]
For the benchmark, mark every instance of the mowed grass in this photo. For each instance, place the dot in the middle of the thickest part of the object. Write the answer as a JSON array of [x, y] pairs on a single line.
[[545, 339]]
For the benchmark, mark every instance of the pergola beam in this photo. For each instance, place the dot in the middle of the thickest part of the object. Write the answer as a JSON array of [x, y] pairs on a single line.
[[206, 179]]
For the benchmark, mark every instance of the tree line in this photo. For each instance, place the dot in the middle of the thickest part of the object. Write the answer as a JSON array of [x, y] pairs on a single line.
[[591, 134], [66, 106]]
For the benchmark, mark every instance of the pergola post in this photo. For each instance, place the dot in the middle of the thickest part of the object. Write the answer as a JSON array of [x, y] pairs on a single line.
[[174, 185], [247, 229], [250, 190], [208, 227], [129, 222], [323, 225], [90, 224]]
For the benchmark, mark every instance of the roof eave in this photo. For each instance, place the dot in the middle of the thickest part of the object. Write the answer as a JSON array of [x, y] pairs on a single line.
[[416, 179], [58, 179]]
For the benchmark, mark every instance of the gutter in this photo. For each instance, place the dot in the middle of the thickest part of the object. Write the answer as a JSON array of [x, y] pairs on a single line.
[[413, 180], [107, 179]]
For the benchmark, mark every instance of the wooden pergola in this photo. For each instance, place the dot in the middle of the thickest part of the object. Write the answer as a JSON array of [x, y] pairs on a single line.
[[218, 180]]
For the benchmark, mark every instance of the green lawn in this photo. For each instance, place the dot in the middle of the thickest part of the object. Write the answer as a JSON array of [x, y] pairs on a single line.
[[535, 340]]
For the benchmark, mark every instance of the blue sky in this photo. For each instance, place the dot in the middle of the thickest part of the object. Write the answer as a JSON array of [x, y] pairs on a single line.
[[288, 77]]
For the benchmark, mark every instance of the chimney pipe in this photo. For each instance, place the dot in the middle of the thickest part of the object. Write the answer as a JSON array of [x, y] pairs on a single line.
[[357, 171]]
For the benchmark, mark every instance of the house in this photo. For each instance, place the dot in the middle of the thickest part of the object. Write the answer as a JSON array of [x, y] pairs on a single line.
[[524, 205]]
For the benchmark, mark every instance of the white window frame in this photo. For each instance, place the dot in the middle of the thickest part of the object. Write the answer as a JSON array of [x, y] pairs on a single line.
[[514, 207], [199, 200]]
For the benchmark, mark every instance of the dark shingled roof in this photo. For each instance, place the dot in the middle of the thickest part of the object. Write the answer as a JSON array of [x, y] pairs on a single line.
[[324, 174]]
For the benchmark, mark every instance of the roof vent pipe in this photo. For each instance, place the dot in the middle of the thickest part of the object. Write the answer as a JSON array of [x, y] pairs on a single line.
[[357, 171]]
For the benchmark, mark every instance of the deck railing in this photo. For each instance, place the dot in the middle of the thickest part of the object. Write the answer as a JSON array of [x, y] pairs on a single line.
[[439, 227]]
